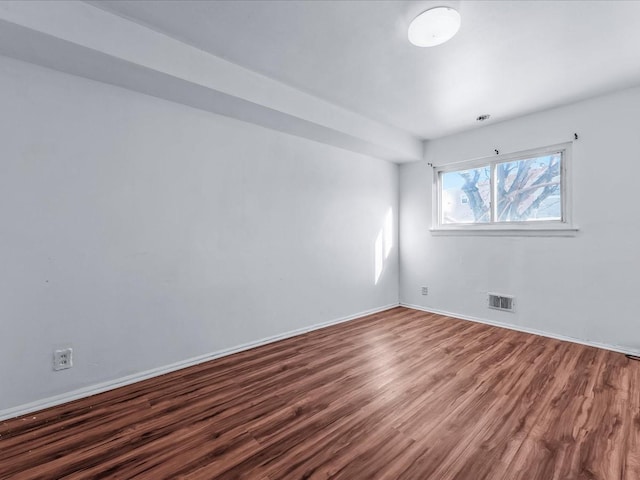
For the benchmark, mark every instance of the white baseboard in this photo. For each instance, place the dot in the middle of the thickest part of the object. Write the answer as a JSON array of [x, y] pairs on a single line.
[[137, 377], [534, 331]]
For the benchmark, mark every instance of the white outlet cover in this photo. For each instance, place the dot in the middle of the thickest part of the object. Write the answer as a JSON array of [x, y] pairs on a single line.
[[63, 359]]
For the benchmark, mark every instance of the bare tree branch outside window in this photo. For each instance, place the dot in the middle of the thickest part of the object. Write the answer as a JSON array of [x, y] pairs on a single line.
[[525, 190]]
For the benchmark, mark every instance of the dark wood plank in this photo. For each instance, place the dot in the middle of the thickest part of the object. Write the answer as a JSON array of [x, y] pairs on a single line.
[[401, 394]]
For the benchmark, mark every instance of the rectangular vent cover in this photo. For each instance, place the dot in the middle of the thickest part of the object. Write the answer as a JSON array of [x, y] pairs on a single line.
[[501, 302]]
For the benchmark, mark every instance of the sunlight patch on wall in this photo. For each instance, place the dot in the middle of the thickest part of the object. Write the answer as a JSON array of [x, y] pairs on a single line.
[[383, 245]]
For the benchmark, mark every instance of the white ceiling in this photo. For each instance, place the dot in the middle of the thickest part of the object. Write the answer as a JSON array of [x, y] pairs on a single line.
[[508, 59]]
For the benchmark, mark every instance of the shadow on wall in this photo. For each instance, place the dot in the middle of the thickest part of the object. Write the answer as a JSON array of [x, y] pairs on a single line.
[[383, 244]]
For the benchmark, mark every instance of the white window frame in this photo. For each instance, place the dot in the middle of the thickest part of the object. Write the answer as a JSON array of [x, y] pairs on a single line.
[[563, 227]]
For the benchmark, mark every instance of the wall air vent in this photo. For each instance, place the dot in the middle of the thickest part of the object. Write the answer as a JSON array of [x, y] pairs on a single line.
[[501, 302]]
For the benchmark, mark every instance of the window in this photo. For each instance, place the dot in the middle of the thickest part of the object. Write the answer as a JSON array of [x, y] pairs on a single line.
[[527, 191]]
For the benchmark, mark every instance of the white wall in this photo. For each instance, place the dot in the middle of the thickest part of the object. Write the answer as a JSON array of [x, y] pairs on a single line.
[[143, 232], [585, 287]]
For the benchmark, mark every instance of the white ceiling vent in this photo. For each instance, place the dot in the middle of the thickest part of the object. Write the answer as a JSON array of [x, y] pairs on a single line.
[[501, 302]]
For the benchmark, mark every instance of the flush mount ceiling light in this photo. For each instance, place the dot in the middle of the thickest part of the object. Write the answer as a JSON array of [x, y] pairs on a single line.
[[433, 27]]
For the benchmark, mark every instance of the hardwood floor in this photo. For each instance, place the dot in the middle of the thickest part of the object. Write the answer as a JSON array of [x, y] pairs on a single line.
[[397, 395]]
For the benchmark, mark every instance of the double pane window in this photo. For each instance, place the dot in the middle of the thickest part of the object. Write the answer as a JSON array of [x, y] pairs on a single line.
[[511, 191]]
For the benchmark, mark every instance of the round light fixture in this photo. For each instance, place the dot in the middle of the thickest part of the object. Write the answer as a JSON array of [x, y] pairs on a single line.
[[434, 26]]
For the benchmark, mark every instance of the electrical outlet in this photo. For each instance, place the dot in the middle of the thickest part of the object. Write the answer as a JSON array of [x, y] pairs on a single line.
[[63, 359], [425, 290]]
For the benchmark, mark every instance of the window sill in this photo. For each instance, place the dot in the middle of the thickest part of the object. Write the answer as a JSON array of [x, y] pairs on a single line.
[[499, 231]]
